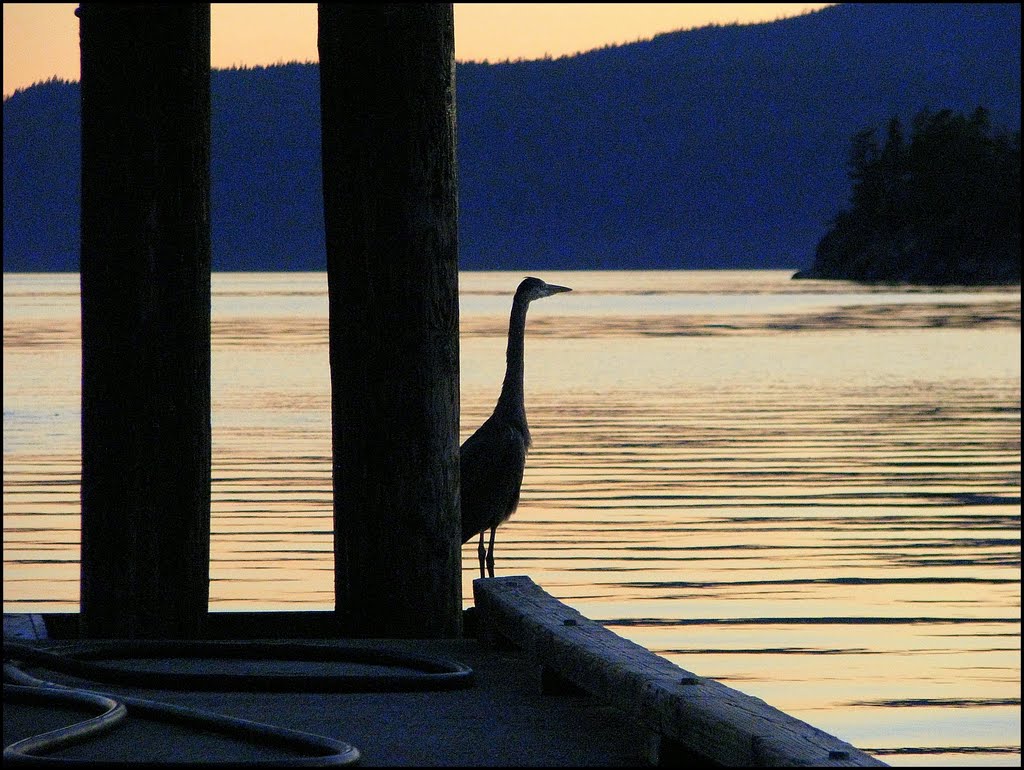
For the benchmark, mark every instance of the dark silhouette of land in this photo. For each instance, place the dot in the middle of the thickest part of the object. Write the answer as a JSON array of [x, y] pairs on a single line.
[[722, 147], [941, 206]]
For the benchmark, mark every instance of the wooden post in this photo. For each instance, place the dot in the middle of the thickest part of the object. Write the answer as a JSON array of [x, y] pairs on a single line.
[[387, 95], [145, 273]]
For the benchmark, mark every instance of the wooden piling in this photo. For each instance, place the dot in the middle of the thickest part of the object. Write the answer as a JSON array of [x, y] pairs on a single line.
[[387, 86], [145, 281]]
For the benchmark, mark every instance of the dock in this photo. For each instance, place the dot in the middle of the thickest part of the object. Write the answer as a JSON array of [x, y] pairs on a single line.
[[540, 685]]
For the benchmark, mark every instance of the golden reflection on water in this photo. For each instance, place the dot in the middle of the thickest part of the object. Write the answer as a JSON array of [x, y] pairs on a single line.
[[808, 490]]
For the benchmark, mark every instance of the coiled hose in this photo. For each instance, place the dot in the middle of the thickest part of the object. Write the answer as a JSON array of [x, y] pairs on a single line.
[[428, 673]]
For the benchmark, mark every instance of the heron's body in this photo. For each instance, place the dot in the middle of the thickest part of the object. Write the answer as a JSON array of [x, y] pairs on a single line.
[[492, 460]]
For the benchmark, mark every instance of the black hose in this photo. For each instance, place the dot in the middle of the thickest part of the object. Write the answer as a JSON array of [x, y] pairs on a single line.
[[430, 674], [111, 713], [31, 751]]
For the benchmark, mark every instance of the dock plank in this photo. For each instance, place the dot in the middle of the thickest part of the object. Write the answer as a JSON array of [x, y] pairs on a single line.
[[692, 715]]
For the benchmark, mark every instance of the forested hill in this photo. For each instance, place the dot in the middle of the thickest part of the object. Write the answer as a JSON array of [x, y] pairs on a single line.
[[720, 147]]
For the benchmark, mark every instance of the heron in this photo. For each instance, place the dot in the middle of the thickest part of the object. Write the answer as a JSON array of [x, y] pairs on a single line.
[[492, 460]]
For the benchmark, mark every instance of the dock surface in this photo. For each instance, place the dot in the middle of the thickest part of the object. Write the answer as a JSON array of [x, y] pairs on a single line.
[[501, 720], [538, 685]]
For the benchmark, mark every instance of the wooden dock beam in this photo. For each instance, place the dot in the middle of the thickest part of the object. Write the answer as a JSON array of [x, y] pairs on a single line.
[[690, 717], [387, 96], [145, 279]]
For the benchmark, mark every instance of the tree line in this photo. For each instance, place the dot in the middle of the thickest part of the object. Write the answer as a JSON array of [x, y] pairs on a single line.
[[939, 206]]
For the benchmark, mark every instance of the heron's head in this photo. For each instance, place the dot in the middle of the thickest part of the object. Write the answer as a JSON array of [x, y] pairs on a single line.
[[534, 288]]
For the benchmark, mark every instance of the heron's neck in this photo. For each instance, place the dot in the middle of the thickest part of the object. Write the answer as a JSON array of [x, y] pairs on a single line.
[[511, 400]]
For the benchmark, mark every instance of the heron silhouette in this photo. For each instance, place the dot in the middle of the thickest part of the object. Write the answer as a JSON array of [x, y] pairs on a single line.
[[491, 461]]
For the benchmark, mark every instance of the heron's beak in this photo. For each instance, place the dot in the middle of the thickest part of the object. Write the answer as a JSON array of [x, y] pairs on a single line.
[[550, 288]]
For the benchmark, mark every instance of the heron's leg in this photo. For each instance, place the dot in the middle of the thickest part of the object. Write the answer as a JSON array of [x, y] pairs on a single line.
[[480, 552], [490, 552]]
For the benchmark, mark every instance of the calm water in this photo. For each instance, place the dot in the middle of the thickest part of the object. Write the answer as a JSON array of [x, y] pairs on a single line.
[[807, 490]]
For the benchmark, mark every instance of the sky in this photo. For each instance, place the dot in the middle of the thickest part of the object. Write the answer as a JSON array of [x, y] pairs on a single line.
[[41, 39]]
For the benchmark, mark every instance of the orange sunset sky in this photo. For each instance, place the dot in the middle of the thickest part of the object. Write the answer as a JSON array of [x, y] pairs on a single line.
[[41, 39]]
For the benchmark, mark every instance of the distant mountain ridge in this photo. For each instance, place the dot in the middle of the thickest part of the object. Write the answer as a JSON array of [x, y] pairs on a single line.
[[720, 147]]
